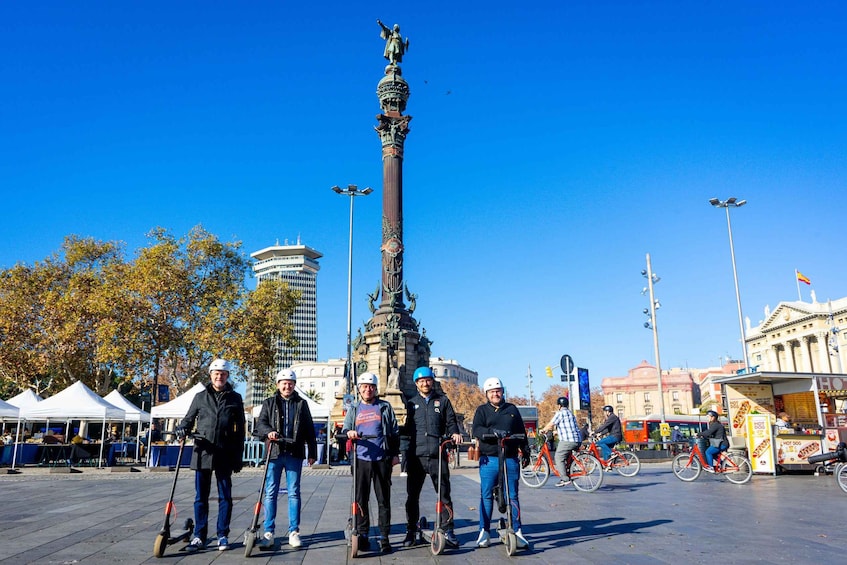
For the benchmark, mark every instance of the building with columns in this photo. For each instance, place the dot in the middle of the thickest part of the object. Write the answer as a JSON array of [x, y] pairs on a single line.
[[447, 369], [801, 337]]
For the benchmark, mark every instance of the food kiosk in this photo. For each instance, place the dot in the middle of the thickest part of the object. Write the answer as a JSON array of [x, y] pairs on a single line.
[[819, 422]]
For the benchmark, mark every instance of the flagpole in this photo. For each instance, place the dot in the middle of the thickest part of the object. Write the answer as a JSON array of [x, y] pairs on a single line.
[[797, 280]]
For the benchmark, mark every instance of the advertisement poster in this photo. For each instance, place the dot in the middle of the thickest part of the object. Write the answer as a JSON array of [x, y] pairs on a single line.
[[747, 399], [760, 443], [795, 450]]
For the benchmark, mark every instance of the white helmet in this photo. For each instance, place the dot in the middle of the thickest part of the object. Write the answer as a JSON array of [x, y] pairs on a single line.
[[220, 365], [491, 383], [368, 379], [286, 375]]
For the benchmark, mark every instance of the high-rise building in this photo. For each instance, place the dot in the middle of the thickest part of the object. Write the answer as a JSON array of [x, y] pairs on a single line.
[[298, 266]]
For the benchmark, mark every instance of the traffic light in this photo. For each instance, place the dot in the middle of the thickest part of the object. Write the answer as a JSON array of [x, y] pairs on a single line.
[[549, 372]]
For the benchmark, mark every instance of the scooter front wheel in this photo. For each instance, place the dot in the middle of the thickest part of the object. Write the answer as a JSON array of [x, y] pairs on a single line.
[[511, 542], [438, 543], [249, 542], [159, 546]]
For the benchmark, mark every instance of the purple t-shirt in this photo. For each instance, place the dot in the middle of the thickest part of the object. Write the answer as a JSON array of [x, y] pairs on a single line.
[[369, 423]]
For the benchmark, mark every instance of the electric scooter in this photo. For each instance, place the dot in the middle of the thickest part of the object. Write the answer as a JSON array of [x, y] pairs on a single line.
[[250, 534], [164, 538], [350, 532], [437, 537], [505, 528]]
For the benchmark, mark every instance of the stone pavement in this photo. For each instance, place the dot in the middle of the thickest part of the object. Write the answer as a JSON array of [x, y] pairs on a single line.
[[100, 517]]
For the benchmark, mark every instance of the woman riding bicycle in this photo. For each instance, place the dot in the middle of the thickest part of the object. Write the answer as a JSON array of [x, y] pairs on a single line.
[[716, 434]]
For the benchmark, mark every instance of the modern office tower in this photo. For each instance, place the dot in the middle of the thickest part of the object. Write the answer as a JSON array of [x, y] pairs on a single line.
[[298, 266]]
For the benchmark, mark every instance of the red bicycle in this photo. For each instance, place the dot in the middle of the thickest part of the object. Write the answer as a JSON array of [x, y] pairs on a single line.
[[584, 470], [735, 467], [624, 462]]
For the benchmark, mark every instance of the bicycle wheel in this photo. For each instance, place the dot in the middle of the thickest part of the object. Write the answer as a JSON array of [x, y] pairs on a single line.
[[536, 476], [586, 472], [627, 464], [737, 469], [841, 477], [685, 467]]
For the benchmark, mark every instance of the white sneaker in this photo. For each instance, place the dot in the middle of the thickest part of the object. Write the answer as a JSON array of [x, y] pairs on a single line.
[[267, 540], [522, 543], [484, 539], [294, 539]]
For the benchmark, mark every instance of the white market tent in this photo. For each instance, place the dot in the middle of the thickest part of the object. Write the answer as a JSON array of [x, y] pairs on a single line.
[[26, 398], [133, 412], [9, 411], [77, 402], [178, 407]]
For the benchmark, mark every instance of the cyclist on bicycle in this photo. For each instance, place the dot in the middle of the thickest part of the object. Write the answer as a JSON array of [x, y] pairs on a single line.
[[716, 434], [569, 437], [612, 427]]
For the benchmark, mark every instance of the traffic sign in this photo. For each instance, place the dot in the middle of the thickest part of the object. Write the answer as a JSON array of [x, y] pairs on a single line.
[[567, 364]]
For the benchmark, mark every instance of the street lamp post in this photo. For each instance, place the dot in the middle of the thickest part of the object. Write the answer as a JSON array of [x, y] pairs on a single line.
[[352, 191], [727, 204], [651, 279]]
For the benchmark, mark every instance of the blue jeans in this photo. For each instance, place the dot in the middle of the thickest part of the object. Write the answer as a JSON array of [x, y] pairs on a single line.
[[293, 468], [711, 453], [606, 444], [202, 487], [489, 473]]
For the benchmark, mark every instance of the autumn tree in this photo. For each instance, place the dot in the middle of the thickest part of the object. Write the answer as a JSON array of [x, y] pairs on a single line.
[[465, 398]]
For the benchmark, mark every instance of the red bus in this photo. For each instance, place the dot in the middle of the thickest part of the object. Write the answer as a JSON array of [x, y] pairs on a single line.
[[642, 429]]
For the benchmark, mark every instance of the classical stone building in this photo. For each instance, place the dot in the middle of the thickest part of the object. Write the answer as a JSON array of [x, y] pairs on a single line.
[[801, 337], [447, 369], [638, 392]]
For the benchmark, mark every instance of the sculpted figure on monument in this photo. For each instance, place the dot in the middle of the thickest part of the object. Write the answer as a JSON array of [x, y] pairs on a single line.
[[372, 298], [412, 298], [395, 47]]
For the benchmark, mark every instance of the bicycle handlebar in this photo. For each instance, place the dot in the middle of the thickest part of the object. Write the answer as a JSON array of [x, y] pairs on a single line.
[[840, 454]]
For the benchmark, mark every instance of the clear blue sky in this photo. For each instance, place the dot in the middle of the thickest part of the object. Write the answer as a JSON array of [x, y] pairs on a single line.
[[553, 145]]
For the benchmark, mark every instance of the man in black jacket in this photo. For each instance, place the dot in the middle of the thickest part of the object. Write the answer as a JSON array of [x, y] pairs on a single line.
[[217, 417], [286, 421], [612, 427], [429, 417]]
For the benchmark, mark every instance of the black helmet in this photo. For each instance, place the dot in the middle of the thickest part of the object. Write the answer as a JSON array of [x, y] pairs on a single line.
[[712, 413], [562, 401], [608, 408]]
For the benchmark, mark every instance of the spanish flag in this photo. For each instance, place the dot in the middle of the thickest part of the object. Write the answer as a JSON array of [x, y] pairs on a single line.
[[802, 278]]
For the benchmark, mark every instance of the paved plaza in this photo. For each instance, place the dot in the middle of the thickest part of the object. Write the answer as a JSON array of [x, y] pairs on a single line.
[[103, 517]]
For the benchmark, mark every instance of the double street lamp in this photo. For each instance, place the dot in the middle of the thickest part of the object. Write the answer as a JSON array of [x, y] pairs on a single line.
[[733, 202], [352, 191], [653, 278]]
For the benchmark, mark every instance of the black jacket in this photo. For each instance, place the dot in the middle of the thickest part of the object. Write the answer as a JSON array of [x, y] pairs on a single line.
[[504, 417], [716, 431], [302, 426], [611, 426], [427, 423], [217, 419]]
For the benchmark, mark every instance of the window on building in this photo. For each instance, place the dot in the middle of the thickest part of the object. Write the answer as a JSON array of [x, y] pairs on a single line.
[[675, 396], [646, 397], [619, 398], [648, 409], [620, 412]]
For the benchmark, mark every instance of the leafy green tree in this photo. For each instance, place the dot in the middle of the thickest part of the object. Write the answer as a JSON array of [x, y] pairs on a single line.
[[314, 395]]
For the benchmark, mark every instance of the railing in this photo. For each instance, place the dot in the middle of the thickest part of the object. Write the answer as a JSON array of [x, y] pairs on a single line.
[[254, 452]]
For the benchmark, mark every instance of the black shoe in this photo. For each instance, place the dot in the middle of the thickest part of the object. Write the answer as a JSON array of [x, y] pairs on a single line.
[[364, 543], [410, 539], [384, 546]]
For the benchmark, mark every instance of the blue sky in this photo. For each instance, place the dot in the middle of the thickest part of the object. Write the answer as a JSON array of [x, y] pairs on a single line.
[[553, 145]]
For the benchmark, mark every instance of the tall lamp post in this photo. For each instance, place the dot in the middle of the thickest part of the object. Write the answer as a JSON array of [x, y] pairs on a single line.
[[733, 202], [652, 278], [352, 191]]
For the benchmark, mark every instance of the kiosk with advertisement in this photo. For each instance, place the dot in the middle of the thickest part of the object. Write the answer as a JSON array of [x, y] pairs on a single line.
[[807, 397]]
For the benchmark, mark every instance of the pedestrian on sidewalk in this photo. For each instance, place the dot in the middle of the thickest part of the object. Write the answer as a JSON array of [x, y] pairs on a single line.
[[286, 422]]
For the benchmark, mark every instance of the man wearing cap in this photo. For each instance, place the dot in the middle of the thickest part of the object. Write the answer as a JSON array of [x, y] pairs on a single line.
[[372, 424], [429, 418], [285, 421], [216, 415]]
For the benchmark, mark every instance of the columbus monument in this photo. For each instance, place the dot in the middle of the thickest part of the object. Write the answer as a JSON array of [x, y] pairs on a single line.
[[392, 345]]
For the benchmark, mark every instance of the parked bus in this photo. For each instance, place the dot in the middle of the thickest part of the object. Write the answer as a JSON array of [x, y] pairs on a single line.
[[529, 414], [641, 429]]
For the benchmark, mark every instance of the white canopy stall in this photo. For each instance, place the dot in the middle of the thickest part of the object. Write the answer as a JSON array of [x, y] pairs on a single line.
[[133, 413], [77, 402], [26, 398]]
